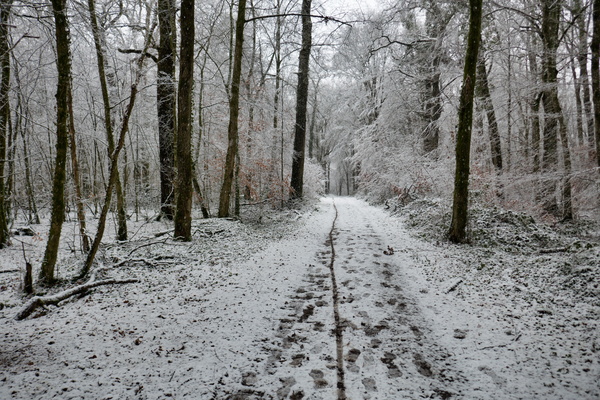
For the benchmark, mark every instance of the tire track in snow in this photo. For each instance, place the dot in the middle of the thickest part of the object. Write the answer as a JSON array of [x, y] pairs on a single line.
[[339, 330]]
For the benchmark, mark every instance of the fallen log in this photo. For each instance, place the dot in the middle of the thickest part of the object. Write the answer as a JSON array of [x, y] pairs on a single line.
[[38, 301]]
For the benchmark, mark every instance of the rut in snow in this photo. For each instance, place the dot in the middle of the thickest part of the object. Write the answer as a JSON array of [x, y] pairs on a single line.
[[339, 330]]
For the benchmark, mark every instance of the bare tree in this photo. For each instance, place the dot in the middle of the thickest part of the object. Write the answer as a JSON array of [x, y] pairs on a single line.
[[114, 159], [234, 99], [596, 75], [5, 10], [85, 240], [63, 65], [551, 10], [460, 205], [108, 122], [165, 103], [183, 211], [297, 181], [486, 98]]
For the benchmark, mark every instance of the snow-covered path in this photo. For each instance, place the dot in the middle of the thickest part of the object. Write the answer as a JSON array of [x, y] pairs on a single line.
[[265, 327], [278, 321]]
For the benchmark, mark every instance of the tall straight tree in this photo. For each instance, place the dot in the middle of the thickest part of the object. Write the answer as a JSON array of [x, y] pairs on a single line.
[[460, 205], [4, 114], [114, 157], [165, 103], [183, 211], [582, 58], [437, 18], [63, 65], [85, 239], [108, 121], [234, 102], [301, 103], [483, 87], [551, 10], [596, 75], [276, 111]]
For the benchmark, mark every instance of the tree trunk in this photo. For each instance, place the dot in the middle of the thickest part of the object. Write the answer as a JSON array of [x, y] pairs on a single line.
[[596, 76], [23, 121], [202, 201], [509, 110], [85, 240], [33, 216], [276, 96], [460, 206], [63, 65], [234, 100], [484, 91], [297, 180], [584, 80], [433, 110], [183, 210], [108, 122], [551, 10], [197, 187], [114, 159], [436, 22], [251, 98], [534, 105], [313, 121], [567, 195], [236, 185], [578, 103], [4, 116], [165, 101]]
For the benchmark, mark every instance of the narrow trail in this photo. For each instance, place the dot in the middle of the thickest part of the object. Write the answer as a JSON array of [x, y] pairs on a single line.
[[349, 330], [389, 351]]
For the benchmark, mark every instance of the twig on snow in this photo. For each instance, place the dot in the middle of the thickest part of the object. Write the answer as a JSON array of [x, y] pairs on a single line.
[[454, 286], [159, 234], [493, 347], [146, 245], [554, 250], [208, 234], [149, 262], [135, 260]]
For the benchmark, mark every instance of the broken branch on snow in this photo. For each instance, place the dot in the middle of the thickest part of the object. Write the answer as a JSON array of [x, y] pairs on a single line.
[[554, 250], [38, 301]]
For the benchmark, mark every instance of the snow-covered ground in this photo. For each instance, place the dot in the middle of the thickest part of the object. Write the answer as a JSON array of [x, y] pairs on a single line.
[[247, 311]]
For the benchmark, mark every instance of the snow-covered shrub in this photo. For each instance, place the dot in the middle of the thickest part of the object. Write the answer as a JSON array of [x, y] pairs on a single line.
[[314, 179]]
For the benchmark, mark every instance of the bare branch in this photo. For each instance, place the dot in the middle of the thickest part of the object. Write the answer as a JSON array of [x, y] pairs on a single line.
[[323, 18], [136, 51]]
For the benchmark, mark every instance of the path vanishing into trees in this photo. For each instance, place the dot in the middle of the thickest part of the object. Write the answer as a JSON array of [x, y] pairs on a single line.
[[350, 329]]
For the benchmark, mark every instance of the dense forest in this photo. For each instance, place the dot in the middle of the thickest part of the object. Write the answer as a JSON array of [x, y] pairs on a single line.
[[299, 199], [137, 108]]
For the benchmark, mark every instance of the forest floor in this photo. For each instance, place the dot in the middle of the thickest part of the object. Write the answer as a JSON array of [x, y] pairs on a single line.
[[338, 300]]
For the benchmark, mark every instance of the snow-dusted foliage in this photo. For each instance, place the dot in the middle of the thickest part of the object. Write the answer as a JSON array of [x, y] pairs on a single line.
[[378, 125], [396, 85], [314, 179]]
